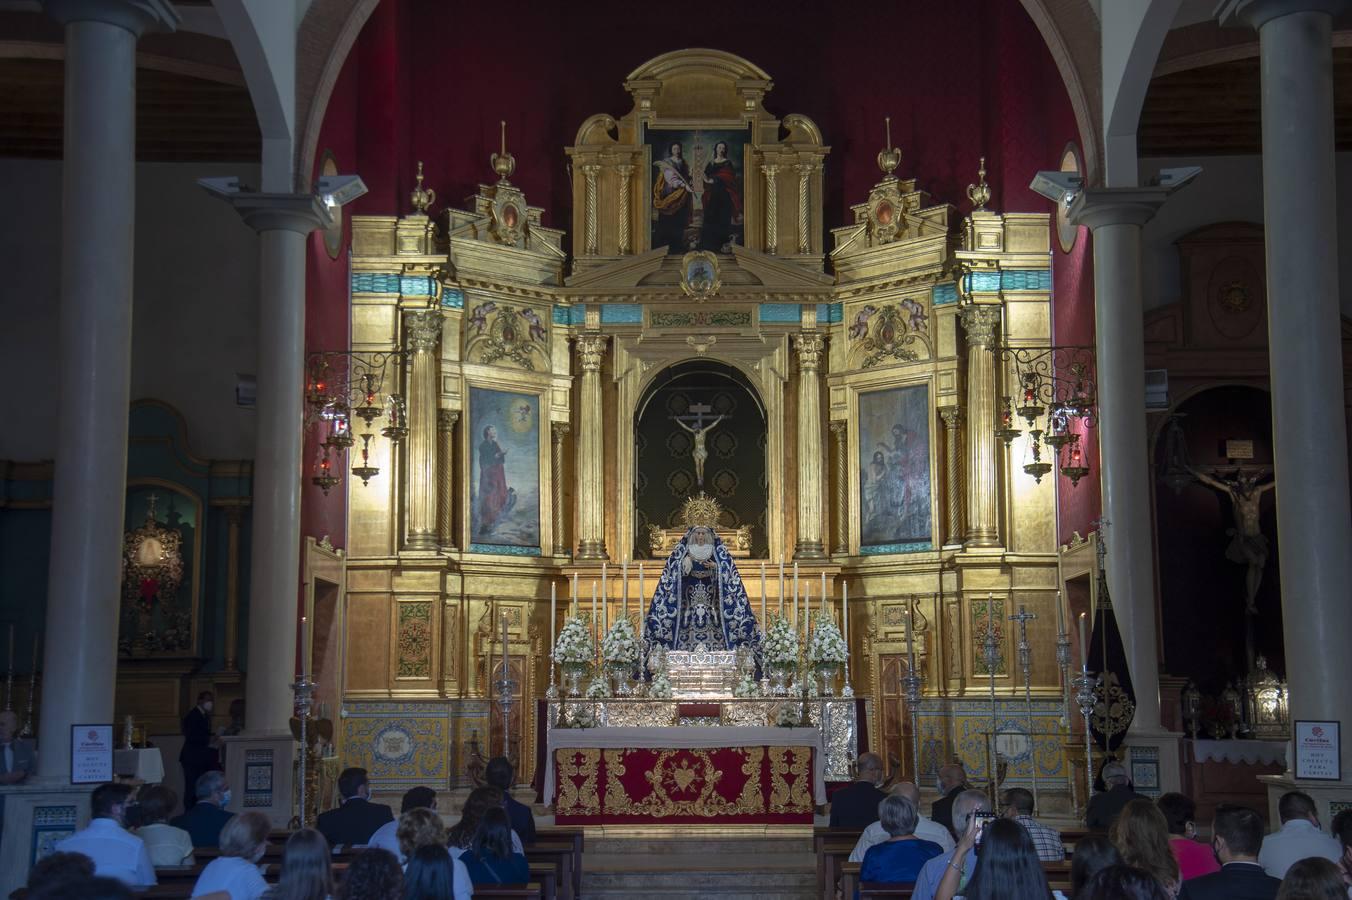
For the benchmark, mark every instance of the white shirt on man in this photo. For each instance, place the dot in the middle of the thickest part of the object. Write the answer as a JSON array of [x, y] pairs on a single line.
[[236, 876], [1297, 840], [167, 845], [925, 829], [116, 852]]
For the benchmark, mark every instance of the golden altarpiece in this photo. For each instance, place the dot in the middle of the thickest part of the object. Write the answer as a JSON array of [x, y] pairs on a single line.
[[891, 360]]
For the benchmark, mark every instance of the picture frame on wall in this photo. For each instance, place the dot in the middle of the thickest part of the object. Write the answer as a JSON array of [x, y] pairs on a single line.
[[896, 511], [505, 455], [696, 187]]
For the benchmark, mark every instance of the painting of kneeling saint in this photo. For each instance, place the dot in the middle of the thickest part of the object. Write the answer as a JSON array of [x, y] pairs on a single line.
[[504, 468]]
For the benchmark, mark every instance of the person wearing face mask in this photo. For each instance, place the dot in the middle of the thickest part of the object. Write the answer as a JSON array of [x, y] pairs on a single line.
[[200, 747], [205, 821], [116, 852], [1237, 835], [244, 840]]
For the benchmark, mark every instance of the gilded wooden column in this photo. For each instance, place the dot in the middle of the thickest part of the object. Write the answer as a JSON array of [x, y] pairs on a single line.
[[446, 419], [589, 173], [625, 173], [422, 333], [952, 416], [234, 515], [804, 207], [591, 543], [771, 209], [559, 432], [979, 322], [450, 635], [811, 466], [840, 431]]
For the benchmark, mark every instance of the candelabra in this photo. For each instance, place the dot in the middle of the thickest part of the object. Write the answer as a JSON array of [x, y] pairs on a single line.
[[910, 685], [504, 689], [304, 690], [1063, 664], [1023, 617], [991, 656], [1084, 696]]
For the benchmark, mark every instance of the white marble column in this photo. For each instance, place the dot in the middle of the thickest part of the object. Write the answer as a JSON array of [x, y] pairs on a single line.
[[282, 221], [93, 362], [1314, 520]]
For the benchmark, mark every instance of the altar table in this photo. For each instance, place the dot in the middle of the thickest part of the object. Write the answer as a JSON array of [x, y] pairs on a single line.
[[623, 775]]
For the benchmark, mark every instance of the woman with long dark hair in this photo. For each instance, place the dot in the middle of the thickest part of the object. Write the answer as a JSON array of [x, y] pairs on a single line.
[[1093, 853], [430, 875], [307, 868], [1007, 867], [1123, 882], [490, 859], [373, 874]]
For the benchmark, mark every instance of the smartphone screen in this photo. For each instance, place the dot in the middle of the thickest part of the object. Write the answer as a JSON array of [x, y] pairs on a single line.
[[982, 820]]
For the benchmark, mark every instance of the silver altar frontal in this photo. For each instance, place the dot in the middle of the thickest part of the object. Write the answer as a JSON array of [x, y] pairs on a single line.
[[702, 684]]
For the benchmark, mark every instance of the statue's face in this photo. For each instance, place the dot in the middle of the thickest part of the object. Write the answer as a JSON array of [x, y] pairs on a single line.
[[701, 543], [701, 536]]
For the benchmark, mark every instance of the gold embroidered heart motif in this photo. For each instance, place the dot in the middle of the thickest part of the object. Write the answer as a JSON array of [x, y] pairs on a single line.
[[684, 775]]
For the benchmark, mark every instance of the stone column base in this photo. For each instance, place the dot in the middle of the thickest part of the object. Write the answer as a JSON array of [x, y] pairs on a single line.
[[1153, 762], [259, 769], [809, 550], [1329, 796], [37, 814], [591, 550]]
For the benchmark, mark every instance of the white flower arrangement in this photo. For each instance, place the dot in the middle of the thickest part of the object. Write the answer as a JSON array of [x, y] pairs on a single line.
[[788, 715], [580, 716], [574, 643], [746, 686], [660, 687], [620, 645], [780, 647], [826, 647], [599, 689]]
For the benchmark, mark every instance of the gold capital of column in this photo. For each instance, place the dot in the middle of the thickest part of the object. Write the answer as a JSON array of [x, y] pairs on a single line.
[[809, 345], [423, 330], [422, 333], [979, 322], [446, 421], [591, 351], [591, 543], [811, 464]]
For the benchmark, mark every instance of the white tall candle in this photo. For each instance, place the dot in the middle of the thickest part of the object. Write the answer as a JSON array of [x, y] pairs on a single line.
[[1060, 616], [823, 592], [506, 651], [910, 628], [781, 587], [642, 599], [604, 593], [807, 608], [573, 610], [594, 619], [762, 621], [304, 647], [553, 615], [1084, 643], [624, 594], [795, 589], [845, 611]]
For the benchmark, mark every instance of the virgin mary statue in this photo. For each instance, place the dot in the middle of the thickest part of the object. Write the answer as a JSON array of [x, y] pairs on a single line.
[[700, 599]]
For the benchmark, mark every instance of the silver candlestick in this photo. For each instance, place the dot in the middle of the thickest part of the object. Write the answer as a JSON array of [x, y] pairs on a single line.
[[991, 656], [1063, 664], [304, 690], [1084, 696], [1023, 617], [911, 684], [504, 689]]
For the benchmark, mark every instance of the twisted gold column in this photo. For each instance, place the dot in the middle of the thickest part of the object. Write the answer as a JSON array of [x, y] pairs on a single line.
[[446, 419], [591, 544], [771, 209], [952, 416], [589, 173], [840, 431], [804, 208], [559, 432], [421, 335], [810, 463], [625, 173], [982, 495]]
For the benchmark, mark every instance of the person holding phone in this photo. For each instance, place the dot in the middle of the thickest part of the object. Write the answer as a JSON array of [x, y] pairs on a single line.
[[962, 858], [1007, 867]]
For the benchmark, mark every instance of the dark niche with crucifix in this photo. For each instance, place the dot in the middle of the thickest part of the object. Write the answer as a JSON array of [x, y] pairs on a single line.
[[700, 427]]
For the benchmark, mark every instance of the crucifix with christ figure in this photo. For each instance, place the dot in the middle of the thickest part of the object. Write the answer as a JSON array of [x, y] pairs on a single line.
[[695, 417]]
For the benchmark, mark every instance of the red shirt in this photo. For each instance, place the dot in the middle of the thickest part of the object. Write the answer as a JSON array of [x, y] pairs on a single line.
[[1193, 858]]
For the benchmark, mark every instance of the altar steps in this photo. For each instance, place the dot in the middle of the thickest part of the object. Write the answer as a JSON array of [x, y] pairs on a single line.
[[694, 864]]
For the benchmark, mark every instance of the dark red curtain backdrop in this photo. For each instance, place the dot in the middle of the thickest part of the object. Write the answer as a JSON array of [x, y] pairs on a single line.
[[431, 79]]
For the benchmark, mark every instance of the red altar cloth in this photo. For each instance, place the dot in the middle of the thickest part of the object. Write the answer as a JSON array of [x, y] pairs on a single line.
[[758, 784]]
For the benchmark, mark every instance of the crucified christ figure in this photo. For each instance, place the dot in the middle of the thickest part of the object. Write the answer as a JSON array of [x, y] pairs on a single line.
[[1248, 545], [699, 430]]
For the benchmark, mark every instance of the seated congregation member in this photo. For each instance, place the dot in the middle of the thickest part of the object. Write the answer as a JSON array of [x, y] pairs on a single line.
[[490, 858], [57, 868], [925, 827], [899, 858], [479, 801], [965, 806], [856, 806], [373, 874], [386, 836], [1342, 830], [952, 781], [1007, 867], [116, 852], [307, 869], [1236, 836], [167, 845], [422, 827], [1300, 836], [1018, 805], [1141, 835], [499, 774], [1313, 878], [1122, 882], [1193, 858], [208, 815], [1104, 807], [430, 875], [357, 818], [1093, 853], [244, 840]]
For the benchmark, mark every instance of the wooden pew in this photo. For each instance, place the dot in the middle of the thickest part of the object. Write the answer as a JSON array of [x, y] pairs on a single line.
[[547, 877], [827, 866], [529, 891], [1058, 877], [574, 835], [559, 856]]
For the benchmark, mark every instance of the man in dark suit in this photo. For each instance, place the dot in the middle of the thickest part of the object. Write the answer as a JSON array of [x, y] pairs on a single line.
[[952, 781], [499, 775], [17, 759], [1104, 807], [204, 819], [856, 806], [199, 754], [357, 818], [1237, 836]]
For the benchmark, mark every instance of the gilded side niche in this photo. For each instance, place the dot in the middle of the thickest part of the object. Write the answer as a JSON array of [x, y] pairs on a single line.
[[497, 334], [414, 640]]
